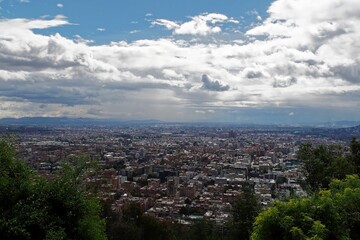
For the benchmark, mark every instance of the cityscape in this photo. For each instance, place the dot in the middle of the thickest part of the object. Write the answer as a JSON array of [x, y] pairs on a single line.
[[180, 120], [180, 172]]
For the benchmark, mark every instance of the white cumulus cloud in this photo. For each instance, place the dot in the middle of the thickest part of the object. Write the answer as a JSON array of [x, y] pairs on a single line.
[[303, 59], [199, 25]]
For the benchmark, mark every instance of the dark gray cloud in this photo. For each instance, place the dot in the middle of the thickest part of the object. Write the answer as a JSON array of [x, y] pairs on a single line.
[[284, 82], [348, 72], [46, 93], [253, 74], [213, 85]]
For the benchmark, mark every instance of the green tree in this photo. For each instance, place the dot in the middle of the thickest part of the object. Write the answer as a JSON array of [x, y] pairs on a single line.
[[323, 163], [134, 225], [355, 154], [245, 209], [203, 230], [331, 214], [32, 207]]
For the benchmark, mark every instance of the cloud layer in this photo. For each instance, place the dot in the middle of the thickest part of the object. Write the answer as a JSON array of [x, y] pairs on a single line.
[[303, 58], [203, 25]]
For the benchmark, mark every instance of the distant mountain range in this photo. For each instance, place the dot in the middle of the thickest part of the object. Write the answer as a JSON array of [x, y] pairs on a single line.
[[65, 121], [342, 130], [338, 124]]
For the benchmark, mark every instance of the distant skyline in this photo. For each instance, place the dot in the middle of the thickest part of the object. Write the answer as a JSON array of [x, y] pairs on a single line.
[[283, 61]]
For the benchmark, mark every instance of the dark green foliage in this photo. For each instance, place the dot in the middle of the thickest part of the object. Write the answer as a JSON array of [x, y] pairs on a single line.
[[203, 230], [281, 180], [134, 225], [32, 207], [323, 163], [245, 209], [188, 210], [331, 214], [355, 154], [76, 168]]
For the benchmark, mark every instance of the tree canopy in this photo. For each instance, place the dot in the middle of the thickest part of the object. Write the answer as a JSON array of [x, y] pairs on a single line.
[[245, 209], [330, 214], [32, 207], [323, 163]]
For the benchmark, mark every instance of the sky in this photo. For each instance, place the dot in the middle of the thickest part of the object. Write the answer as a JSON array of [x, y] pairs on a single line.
[[240, 61]]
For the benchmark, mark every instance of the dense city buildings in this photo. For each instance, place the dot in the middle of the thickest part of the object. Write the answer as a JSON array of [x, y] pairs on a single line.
[[177, 172]]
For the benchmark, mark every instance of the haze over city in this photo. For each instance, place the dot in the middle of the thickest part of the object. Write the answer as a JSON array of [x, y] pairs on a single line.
[[283, 61]]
